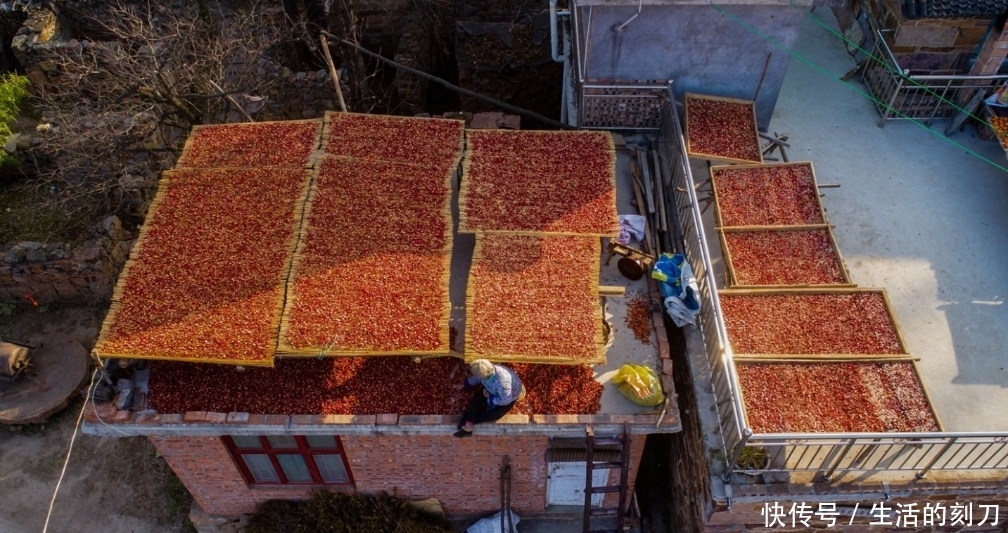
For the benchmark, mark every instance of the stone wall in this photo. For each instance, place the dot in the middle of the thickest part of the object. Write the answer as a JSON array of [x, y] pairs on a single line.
[[510, 62], [295, 95], [42, 274], [414, 51]]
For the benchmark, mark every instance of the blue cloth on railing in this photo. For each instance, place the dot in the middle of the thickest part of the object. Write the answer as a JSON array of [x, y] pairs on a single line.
[[678, 288]]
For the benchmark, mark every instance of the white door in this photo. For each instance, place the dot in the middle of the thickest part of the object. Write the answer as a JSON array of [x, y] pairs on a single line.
[[566, 484]]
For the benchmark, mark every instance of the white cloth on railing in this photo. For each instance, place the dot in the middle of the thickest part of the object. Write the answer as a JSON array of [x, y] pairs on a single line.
[[630, 226]]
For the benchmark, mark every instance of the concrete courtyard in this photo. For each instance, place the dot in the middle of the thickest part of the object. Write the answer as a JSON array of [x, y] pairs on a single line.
[[915, 214]]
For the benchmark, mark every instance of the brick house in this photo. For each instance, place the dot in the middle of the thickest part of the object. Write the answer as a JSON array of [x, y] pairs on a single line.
[[237, 435]]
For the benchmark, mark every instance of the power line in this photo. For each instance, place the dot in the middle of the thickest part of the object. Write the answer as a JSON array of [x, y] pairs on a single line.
[[73, 438], [858, 90], [869, 55]]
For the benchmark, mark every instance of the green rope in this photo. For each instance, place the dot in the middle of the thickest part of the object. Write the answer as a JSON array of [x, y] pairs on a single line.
[[890, 68], [858, 90]]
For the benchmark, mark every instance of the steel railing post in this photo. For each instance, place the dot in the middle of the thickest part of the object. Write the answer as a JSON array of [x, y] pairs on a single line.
[[892, 101], [923, 473], [730, 467], [839, 459]]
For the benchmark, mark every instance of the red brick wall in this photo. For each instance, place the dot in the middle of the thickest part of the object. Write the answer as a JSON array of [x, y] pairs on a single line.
[[636, 450], [205, 467], [462, 473]]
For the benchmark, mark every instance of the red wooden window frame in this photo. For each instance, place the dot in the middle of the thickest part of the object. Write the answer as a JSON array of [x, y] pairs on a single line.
[[303, 449]]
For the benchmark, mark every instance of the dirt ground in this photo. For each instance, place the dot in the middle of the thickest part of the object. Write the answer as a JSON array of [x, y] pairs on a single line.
[[111, 485]]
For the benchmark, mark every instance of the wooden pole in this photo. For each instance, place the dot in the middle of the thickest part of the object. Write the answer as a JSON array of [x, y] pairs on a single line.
[[232, 100], [332, 72]]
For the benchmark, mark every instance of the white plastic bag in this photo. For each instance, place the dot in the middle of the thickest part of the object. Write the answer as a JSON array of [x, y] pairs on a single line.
[[492, 524]]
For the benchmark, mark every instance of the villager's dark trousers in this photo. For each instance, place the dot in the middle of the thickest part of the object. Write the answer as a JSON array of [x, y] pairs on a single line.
[[477, 411]]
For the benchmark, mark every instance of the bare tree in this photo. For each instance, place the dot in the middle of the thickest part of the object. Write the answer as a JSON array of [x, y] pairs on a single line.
[[118, 110]]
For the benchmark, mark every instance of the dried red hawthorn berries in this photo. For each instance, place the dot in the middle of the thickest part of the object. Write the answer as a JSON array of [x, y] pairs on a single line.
[[1000, 127], [847, 323], [638, 317], [834, 397], [722, 129], [371, 271], [359, 386], [534, 297], [425, 141], [539, 182], [773, 195], [785, 257], [288, 144], [206, 283]]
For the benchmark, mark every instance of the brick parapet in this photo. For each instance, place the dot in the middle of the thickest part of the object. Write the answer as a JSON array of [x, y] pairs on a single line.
[[106, 420]]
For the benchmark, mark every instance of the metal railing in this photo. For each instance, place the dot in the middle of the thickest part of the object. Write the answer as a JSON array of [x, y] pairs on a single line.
[[724, 380], [824, 454], [627, 106], [917, 453], [901, 93]]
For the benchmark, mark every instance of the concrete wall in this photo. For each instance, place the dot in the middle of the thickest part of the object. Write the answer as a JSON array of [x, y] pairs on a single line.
[[697, 47]]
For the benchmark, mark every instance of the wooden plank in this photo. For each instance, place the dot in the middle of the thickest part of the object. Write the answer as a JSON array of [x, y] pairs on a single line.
[[611, 290], [836, 249], [927, 396], [730, 279], [895, 321], [819, 289], [803, 286], [718, 222], [822, 357], [796, 227], [660, 193], [642, 160], [649, 246]]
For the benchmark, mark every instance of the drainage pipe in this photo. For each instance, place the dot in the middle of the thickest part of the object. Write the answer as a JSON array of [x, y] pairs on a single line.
[[554, 33]]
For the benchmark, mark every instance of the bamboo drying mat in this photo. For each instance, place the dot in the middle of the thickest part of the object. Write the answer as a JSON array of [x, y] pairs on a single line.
[[109, 321], [731, 278], [863, 359], [329, 124], [471, 354], [769, 166], [182, 161], [824, 289], [284, 346], [466, 181], [714, 157]]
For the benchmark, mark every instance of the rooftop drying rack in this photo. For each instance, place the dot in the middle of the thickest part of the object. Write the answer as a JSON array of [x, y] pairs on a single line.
[[822, 454]]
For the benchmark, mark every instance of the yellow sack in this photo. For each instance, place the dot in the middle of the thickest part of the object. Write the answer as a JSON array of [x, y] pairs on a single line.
[[640, 385]]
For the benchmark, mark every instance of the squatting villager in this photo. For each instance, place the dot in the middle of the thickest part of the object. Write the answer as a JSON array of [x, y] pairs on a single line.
[[501, 389]]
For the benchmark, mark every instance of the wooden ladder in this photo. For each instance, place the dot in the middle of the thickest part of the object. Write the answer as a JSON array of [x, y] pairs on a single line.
[[622, 443]]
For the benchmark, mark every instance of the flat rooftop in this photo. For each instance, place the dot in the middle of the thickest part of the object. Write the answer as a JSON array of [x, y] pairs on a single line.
[[624, 347], [915, 213], [197, 417]]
